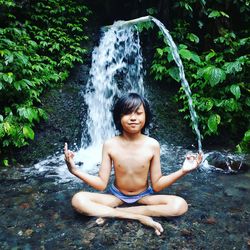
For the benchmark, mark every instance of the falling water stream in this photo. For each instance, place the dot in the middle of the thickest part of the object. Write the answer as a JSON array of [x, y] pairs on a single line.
[[184, 82]]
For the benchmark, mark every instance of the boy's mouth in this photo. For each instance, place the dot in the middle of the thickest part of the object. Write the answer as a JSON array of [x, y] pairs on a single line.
[[133, 124]]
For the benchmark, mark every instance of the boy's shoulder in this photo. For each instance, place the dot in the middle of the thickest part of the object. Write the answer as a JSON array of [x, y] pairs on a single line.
[[111, 141], [153, 142]]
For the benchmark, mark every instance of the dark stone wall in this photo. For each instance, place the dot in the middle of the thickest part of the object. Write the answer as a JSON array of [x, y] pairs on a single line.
[[109, 11]]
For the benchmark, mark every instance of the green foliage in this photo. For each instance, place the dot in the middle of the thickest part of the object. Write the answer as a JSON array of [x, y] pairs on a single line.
[[37, 50], [244, 146], [218, 76]]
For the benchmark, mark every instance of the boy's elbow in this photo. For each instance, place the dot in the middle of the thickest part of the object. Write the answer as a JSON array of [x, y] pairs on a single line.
[[156, 188], [102, 187]]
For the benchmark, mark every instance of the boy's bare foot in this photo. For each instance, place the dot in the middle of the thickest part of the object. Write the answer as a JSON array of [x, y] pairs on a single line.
[[148, 221], [100, 221]]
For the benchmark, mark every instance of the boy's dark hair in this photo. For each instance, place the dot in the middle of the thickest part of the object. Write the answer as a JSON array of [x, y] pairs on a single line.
[[128, 104]]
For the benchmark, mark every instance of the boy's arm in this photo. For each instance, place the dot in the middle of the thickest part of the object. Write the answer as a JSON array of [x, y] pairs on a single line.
[[98, 182], [159, 181]]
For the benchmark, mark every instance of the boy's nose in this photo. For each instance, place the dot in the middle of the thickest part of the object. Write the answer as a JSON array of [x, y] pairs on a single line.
[[132, 117]]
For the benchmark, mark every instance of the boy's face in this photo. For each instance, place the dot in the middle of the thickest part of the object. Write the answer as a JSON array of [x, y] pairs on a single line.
[[134, 122]]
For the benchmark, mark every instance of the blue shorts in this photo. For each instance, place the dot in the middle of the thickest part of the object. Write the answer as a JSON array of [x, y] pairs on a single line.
[[129, 198]]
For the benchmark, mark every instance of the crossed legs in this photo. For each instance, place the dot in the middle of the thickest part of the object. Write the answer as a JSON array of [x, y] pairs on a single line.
[[106, 205]]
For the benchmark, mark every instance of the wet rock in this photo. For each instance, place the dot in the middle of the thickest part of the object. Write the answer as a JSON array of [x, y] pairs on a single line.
[[55, 216], [231, 192], [139, 233], [20, 233], [186, 232], [221, 161], [41, 225], [210, 220], [25, 205], [28, 232], [88, 237]]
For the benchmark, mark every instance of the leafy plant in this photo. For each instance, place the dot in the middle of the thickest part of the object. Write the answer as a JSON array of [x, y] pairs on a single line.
[[38, 47], [218, 76]]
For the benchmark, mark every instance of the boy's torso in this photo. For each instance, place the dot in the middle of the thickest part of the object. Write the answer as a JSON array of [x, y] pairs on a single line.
[[131, 160]]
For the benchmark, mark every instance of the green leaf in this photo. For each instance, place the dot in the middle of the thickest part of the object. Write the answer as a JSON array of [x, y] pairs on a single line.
[[247, 136], [231, 105], [213, 122], [235, 89], [185, 53], [209, 104], [232, 67], [28, 113], [160, 51], [174, 73], [152, 11], [5, 162], [247, 101], [212, 75], [189, 55], [2, 130], [210, 55], [28, 132], [193, 38], [224, 14], [8, 77], [214, 14], [6, 127], [9, 59]]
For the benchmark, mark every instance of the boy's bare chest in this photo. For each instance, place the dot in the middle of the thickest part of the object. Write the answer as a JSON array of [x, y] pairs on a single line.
[[132, 158]]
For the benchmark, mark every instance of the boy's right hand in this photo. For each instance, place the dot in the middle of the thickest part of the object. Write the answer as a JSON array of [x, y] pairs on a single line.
[[68, 157]]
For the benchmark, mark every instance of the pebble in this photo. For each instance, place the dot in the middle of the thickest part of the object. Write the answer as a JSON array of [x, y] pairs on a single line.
[[139, 233], [186, 232], [210, 220], [28, 232], [25, 205]]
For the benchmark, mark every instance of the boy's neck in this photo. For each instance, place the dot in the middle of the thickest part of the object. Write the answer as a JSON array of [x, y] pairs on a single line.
[[131, 137]]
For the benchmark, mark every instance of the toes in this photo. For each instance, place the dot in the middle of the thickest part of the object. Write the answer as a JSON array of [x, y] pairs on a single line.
[[158, 229], [157, 232]]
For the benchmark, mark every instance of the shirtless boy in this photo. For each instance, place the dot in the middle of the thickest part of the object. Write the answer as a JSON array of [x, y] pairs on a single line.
[[134, 157]]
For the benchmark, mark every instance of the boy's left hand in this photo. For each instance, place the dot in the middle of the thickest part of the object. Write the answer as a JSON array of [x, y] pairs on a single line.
[[192, 162]]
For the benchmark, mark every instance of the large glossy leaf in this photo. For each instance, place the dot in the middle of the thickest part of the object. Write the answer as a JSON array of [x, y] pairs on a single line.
[[213, 122], [28, 132], [235, 89], [213, 75]]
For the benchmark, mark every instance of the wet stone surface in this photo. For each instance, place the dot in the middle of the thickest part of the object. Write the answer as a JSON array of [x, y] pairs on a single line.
[[35, 213]]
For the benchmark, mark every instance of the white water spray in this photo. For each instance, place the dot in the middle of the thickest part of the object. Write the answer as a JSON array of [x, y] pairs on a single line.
[[116, 69]]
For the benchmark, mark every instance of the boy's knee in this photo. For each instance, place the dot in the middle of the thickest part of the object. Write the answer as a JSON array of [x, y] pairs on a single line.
[[180, 206], [77, 200]]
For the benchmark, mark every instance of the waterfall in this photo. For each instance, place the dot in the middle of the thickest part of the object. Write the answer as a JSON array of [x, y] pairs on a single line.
[[116, 69]]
